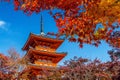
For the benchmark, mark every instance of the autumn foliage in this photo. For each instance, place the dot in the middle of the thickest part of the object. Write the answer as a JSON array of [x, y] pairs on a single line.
[[115, 39], [84, 69], [9, 65], [78, 20]]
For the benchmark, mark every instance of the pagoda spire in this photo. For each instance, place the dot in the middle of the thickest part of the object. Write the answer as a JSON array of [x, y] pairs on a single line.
[[41, 26]]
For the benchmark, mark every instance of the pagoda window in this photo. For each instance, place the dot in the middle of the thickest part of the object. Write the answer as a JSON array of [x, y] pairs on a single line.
[[45, 48], [50, 65], [45, 65], [42, 48], [40, 64]]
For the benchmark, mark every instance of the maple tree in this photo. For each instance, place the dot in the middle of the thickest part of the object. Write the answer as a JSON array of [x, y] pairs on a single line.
[[3, 64], [84, 69], [115, 43], [9, 65], [114, 54], [4, 68], [78, 19], [115, 39]]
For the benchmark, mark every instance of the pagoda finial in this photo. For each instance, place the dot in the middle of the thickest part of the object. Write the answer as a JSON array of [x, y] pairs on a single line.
[[41, 31]]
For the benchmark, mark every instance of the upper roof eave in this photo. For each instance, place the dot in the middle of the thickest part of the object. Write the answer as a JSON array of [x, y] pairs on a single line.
[[26, 45]]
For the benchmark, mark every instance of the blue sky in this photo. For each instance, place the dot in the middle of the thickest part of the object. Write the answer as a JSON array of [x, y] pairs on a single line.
[[15, 27]]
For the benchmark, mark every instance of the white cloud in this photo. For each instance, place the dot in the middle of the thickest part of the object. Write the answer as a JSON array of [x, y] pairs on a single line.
[[3, 25]]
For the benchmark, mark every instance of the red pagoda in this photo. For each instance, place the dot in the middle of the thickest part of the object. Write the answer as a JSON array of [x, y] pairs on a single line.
[[41, 53]]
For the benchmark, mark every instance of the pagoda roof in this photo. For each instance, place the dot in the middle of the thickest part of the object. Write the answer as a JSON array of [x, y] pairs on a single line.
[[37, 38], [55, 56]]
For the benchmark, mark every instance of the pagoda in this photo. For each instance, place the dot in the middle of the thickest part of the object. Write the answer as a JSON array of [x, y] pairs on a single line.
[[41, 53]]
